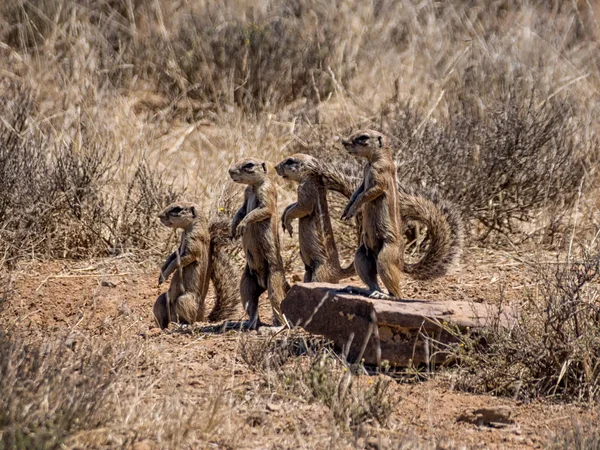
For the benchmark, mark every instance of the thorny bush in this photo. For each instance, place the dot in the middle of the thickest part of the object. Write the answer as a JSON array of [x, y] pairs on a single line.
[[54, 199], [502, 167], [552, 348], [49, 392]]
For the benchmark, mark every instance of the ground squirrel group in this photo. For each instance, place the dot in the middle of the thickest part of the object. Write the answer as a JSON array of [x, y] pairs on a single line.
[[379, 202]]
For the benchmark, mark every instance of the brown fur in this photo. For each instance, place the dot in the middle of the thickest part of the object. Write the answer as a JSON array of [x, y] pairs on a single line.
[[224, 274], [384, 206], [444, 228], [442, 220], [317, 244], [256, 223], [196, 261], [382, 250]]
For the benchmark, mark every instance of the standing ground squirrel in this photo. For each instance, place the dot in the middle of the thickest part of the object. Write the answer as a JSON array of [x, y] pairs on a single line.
[[384, 205], [197, 260], [317, 244], [256, 223]]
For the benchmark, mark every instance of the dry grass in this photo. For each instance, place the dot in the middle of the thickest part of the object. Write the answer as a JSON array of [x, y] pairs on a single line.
[[112, 108], [320, 375], [58, 197], [79, 391], [51, 392], [552, 348], [170, 83], [502, 168], [584, 436]]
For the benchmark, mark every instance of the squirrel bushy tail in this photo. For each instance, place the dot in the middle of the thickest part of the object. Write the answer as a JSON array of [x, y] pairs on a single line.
[[347, 272], [443, 221], [444, 228], [336, 180], [224, 275]]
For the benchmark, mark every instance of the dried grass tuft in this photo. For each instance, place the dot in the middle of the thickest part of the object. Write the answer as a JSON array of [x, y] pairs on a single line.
[[553, 347]]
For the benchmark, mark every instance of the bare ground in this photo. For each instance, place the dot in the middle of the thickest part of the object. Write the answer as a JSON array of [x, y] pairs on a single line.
[[198, 381]]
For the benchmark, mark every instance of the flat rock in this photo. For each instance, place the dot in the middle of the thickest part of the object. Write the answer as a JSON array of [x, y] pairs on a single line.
[[399, 331]]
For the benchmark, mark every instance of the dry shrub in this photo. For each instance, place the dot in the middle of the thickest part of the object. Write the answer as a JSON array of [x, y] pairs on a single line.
[[132, 221], [78, 391], [88, 39], [320, 375], [264, 354], [502, 152], [581, 436], [255, 57], [49, 393], [59, 196], [329, 381], [484, 111], [268, 354], [553, 347], [502, 168]]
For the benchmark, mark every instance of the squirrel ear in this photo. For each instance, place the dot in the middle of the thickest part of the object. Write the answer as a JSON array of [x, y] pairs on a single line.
[[264, 166], [194, 212], [380, 139]]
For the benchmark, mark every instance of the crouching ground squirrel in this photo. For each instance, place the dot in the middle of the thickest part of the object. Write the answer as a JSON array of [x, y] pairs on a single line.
[[198, 259], [256, 223], [317, 244], [384, 205]]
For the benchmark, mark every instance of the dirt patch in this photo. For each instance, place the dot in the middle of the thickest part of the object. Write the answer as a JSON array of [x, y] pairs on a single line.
[[203, 381]]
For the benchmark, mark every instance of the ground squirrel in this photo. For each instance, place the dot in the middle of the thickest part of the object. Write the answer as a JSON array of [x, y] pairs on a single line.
[[444, 224], [197, 260], [317, 244], [384, 206], [256, 223]]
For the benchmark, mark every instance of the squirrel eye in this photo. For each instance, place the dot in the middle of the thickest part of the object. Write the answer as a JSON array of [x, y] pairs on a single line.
[[362, 137], [248, 165], [175, 210]]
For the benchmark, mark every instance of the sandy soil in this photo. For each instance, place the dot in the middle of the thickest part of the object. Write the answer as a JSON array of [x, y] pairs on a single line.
[[112, 299]]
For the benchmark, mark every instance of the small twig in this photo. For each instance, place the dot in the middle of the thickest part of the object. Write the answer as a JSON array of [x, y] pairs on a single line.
[[575, 210], [426, 118], [87, 275], [563, 87]]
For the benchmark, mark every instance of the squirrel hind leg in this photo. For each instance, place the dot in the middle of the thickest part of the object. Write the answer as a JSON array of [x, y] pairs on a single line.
[[250, 291], [161, 313], [389, 266], [365, 263], [188, 309]]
